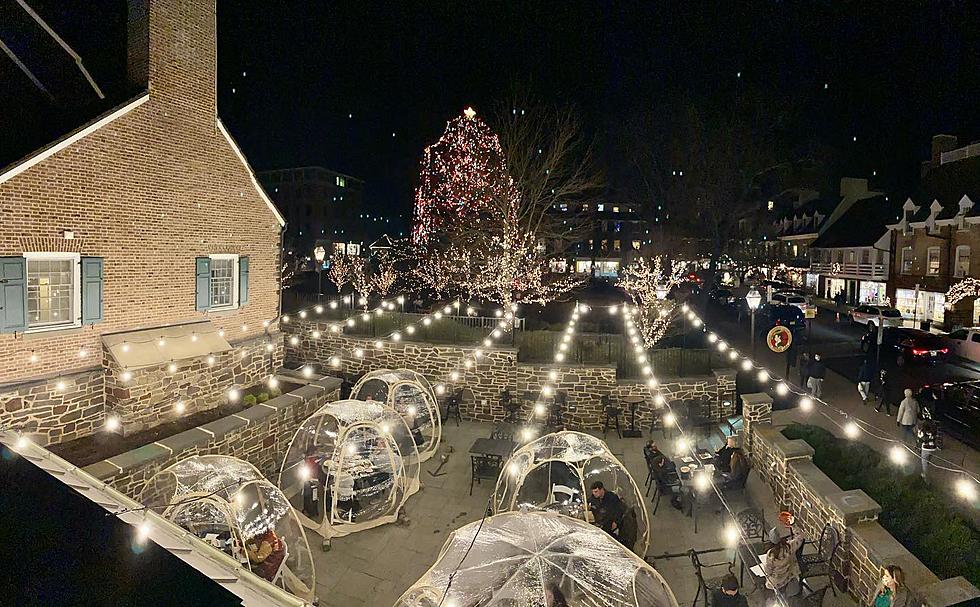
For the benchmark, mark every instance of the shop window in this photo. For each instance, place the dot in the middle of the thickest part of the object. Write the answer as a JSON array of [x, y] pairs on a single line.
[[932, 261]]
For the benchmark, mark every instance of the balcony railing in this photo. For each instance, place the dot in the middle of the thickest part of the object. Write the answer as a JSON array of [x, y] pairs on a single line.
[[870, 271]]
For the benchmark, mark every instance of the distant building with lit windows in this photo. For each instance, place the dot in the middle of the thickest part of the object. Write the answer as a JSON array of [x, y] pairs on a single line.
[[619, 233]]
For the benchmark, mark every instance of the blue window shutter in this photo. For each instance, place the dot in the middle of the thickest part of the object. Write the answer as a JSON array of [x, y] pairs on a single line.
[[13, 294], [242, 281], [202, 284], [91, 290]]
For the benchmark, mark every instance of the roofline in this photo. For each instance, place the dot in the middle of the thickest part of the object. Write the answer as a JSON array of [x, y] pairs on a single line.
[[312, 166], [251, 173], [45, 152], [220, 568]]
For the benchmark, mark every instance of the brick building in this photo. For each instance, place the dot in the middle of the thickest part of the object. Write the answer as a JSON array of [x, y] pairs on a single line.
[[140, 256], [936, 232]]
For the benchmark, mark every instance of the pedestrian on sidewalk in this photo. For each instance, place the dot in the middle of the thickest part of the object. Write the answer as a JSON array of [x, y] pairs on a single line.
[[865, 376], [885, 392], [908, 416], [804, 370], [818, 372]]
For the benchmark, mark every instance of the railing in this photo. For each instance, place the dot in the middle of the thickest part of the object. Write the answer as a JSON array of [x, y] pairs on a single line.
[[877, 271], [457, 330]]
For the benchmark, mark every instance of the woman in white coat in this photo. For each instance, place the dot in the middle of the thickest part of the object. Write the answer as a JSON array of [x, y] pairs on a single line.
[[908, 415]]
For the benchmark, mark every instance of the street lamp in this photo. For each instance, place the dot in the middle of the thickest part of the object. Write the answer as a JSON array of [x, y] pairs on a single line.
[[753, 299], [320, 254]]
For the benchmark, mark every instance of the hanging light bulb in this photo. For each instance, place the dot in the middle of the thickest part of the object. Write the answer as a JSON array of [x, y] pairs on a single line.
[[782, 388], [194, 336], [553, 375], [126, 375], [410, 329], [307, 371], [315, 334], [852, 430], [806, 404], [437, 315], [359, 353], [898, 455], [669, 419], [233, 395], [333, 305], [746, 364], [112, 423], [180, 407], [334, 361], [396, 336], [161, 342], [273, 382], [378, 344], [966, 489], [302, 314], [172, 367], [210, 361], [351, 322], [318, 309]]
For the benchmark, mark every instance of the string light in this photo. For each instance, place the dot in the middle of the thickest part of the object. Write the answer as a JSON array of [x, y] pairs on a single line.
[[112, 423], [180, 407]]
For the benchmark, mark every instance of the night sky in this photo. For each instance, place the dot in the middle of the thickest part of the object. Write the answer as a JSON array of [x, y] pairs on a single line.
[[889, 75]]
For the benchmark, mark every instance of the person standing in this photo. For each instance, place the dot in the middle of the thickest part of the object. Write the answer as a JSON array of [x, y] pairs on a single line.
[[818, 371], [865, 376], [892, 591], [804, 370], [782, 567], [885, 396], [908, 415]]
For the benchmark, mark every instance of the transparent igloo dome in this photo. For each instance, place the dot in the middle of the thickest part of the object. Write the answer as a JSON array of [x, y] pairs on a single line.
[[535, 559], [409, 393], [555, 473], [227, 503], [350, 466]]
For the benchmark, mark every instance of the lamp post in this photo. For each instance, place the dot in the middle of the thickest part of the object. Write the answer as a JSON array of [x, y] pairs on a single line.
[[320, 254], [753, 299]]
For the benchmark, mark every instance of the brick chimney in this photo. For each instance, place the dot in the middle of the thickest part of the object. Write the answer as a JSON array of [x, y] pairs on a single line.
[[172, 50], [940, 144]]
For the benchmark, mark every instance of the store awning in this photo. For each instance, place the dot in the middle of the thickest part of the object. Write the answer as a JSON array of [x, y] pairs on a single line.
[[149, 347]]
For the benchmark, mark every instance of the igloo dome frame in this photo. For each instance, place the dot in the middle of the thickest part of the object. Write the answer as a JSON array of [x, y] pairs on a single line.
[[394, 381], [219, 491], [576, 450], [583, 562], [341, 430]]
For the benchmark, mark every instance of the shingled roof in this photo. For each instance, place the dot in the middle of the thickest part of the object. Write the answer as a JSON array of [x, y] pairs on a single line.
[[861, 225]]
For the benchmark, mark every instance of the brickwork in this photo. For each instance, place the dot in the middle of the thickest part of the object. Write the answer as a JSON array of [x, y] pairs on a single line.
[[55, 409], [498, 370], [259, 435], [786, 466], [148, 192], [148, 398]]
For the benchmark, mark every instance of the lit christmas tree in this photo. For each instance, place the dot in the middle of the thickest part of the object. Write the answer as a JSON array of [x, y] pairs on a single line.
[[463, 174]]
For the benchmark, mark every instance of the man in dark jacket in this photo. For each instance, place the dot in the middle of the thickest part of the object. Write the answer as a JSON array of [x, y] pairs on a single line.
[[818, 371], [607, 508], [865, 375]]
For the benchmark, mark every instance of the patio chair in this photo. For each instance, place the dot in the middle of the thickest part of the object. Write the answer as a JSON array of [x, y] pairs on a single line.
[[452, 406], [612, 416], [556, 416], [510, 405], [484, 466], [698, 419], [815, 598], [753, 527], [657, 422], [707, 584], [277, 578], [818, 564], [664, 482]]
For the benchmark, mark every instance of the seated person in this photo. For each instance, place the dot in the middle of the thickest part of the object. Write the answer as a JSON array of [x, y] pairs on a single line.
[[723, 456], [738, 470], [654, 457], [265, 553], [607, 508], [727, 595]]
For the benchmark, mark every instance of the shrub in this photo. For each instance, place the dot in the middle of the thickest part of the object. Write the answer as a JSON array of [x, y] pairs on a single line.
[[274, 392], [263, 396], [249, 399], [915, 513]]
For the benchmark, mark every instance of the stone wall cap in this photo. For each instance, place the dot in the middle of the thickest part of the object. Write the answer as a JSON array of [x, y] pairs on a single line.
[[256, 413], [283, 402], [757, 398], [814, 479], [223, 426], [563, 365], [328, 383], [139, 456], [792, 449], [102, 470], [723, 372], [883, 549], [186, 439], [307, 392], [853, 506], [953, 591]]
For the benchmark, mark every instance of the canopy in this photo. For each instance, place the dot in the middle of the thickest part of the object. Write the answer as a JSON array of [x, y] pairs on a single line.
[[555, 472], [226, 502], [529, 559], [409, 393], [350, 466]]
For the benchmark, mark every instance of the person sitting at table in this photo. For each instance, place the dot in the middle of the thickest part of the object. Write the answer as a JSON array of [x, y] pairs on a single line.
[[782, 567], [738, 470], [654, 457], [265, 553], [607, 508], [785, 521], [723, 456], [727, 595]]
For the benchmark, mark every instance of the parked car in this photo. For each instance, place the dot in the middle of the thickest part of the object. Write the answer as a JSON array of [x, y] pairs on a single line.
[[907, 345], [965, 343], [771, 315], [872, 316], [791, 299], [722, 297], [956, 407]]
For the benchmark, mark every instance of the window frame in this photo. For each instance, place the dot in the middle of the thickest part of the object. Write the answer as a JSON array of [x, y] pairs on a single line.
[[235, 272], [956, 263], [76, 295], [939, 261], [910, 258]]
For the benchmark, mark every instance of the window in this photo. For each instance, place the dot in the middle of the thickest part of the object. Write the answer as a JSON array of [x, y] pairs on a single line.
[[616, 245], [839, 256], [600, 207], [53, 291], [771, 205], [636, 245], [224, 283], [866, 256], [851, 256], [341, 181], [615, 209], [975, 338], [962, 267], [932, 261], [907, 260]]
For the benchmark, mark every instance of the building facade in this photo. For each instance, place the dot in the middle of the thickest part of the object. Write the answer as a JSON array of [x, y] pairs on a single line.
[[619, 233], [319, 205], [140, 256], [934, 237]]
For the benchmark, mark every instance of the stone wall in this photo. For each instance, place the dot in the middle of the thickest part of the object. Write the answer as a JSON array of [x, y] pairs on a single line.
[[259, 435], [55, 409], [499, 370], [148, 398], [787, 467]]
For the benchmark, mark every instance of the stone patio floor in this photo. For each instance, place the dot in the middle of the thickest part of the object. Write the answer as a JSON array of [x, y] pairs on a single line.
[[374, 567]]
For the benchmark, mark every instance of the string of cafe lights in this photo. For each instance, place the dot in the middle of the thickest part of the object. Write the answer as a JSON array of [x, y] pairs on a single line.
[[899, 452], [505, 324]]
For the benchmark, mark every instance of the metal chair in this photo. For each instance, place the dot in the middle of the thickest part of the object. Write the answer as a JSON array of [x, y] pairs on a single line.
[[815, 598], [612, 416], [818, 564], [510, 406], [753, 527], [484, 466], [452, 406], [663, 483], [657, 422], [706, 585], [556, 413]]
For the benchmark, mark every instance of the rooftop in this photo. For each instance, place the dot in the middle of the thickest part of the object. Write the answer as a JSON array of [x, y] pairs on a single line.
[[861, 225]]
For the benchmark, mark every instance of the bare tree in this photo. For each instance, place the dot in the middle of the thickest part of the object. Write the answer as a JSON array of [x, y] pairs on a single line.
[[340, 270], [384, 278], [361, 277]]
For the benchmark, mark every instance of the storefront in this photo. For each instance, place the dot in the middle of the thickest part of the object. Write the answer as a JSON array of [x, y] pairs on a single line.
[[812, 280], [872, 292], [833, 286], [603, 269], [930, 305]]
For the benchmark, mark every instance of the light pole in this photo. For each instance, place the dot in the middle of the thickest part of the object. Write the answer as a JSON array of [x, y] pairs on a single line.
[[753, 299], [320, 254]]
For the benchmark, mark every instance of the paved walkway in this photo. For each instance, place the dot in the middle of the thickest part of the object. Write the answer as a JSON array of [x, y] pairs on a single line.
[[374, 567]]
